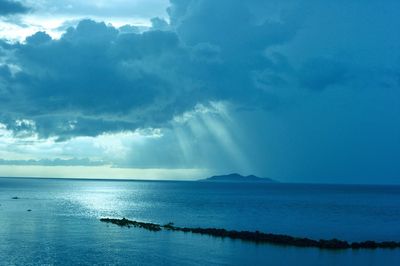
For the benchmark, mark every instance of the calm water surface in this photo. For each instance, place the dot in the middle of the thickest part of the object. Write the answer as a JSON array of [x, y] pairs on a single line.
[[63, 226]]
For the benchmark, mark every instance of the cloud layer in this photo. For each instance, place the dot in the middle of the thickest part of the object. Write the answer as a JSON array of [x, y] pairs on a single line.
[[276, 88], [98, 79]]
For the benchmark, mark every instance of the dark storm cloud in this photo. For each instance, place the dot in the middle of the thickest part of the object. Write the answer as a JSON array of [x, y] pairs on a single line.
[[93, 79], [255, 54], [8, 7], [98, 79]]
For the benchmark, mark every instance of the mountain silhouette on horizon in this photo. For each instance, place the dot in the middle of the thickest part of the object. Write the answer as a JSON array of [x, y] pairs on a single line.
[[237, 178]]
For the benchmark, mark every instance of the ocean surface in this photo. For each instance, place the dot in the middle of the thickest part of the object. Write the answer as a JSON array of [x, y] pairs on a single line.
[[63, 226]]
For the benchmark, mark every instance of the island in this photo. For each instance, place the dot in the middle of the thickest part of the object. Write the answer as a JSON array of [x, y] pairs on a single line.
[[238, 178]]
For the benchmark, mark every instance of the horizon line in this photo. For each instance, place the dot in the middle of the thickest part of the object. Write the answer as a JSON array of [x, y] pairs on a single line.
[[108, 179]]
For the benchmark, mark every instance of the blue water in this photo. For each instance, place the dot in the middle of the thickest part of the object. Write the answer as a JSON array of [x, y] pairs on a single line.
[[63, 226]]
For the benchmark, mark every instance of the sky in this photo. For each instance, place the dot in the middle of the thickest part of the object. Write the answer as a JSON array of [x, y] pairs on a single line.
[[297, 91]]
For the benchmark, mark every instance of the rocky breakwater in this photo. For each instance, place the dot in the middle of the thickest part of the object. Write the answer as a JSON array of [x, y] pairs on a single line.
[[256, 236]]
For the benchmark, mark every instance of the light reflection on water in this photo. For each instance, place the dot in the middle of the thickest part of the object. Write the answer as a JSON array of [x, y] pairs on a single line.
[[108, 201], [63, 227]]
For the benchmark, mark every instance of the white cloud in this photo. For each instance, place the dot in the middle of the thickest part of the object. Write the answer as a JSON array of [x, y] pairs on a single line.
[[110, 148], [103, 172], [52, 16]]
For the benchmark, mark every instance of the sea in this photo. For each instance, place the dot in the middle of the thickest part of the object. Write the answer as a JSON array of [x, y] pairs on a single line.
[[56, 222]]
